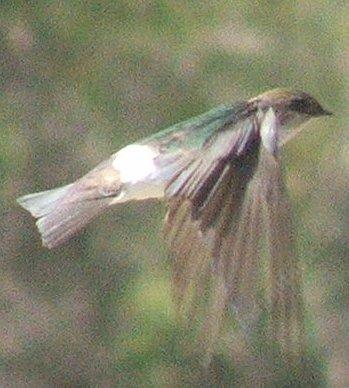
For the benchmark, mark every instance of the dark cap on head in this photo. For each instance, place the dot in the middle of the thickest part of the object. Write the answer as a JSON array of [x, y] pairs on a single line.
[[306, 104], [293, 100]]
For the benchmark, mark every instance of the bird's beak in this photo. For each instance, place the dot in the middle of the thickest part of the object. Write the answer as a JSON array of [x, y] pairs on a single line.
[[327, 113]]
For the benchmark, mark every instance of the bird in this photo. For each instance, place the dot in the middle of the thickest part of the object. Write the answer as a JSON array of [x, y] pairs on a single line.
[[220, 176]]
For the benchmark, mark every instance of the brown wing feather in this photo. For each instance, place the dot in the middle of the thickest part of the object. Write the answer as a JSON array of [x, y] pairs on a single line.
[[285, 294], [232, 247]]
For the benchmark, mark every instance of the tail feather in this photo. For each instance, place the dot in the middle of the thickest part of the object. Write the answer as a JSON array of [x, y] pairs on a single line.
[[60, 217], [61, 224], [42, 203]]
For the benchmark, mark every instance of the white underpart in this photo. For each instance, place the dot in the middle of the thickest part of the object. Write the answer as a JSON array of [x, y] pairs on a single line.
[[274, 136], [138, 172], [269, 132]]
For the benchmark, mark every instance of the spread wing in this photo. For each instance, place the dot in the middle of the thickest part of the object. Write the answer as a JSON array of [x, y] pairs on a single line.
[[228, 227]]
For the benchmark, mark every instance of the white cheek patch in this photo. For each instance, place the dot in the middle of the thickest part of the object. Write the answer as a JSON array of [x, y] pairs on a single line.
[[135, 163]]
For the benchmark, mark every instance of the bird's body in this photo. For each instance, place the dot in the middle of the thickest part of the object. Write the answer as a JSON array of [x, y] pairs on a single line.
[[139, 171], [220, 173], [158, 166]]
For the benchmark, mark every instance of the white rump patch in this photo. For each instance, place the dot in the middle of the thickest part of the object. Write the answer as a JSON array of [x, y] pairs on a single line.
[[135, 163]]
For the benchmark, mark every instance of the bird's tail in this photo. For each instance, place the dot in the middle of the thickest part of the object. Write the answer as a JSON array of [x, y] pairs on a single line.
[[61, 213]]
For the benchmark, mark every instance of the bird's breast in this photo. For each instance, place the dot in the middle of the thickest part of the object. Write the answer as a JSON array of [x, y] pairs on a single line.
[[269, 132]]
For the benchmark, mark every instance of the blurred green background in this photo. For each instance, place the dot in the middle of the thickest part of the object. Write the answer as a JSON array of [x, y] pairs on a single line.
[[79, 80]]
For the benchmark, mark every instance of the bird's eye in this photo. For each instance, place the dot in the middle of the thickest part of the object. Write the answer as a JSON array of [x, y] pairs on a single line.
[[300, 106]]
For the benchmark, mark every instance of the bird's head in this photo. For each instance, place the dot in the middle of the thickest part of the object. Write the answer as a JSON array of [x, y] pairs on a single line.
[[292, 108], [290, 105]]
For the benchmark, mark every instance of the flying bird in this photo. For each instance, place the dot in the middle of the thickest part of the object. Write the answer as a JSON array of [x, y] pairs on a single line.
[[220, 174]]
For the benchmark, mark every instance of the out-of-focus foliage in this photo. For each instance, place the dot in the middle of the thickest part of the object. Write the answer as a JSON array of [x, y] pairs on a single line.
[[78, 80]]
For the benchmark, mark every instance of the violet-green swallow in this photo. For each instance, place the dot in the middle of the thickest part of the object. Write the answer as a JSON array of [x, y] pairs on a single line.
[[220, 175], [193, 160]]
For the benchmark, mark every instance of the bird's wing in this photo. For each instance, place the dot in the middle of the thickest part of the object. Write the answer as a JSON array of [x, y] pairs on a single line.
[[228, 226]]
